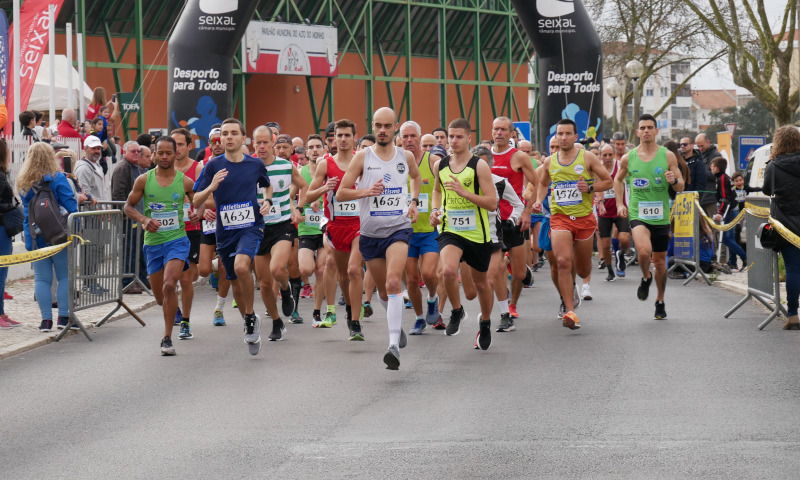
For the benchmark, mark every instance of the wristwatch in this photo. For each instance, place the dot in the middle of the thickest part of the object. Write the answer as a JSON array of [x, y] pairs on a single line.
[[300, 209], [269, 200], [675, 182], [415, 200], [591, 188]]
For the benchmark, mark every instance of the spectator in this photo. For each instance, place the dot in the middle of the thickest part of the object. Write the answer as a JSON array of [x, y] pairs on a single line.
[[672, 146], [145, 159], [121, 186], [40, 129], [782, 179], [144, 140], [40, 166], [80, 195], [708, 152], [697, 180], [67, 127], [89, 171], [98, 100], [727, 210], [27, 121], [7, 201], [740, 192]]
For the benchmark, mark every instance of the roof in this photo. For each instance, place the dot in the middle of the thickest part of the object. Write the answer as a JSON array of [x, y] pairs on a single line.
[[714, 99]]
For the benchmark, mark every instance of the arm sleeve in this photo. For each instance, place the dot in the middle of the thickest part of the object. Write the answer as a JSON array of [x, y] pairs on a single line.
[[82, 173], [511, 197]]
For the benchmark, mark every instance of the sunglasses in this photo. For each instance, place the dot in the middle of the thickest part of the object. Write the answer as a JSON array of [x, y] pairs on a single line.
[[216, 141], [684, 144]]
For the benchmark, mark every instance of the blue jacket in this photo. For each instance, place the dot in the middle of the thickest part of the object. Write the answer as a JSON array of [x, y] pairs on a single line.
[[65, 196]]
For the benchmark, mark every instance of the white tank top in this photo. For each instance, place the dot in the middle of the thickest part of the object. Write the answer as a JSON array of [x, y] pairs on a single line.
[[384, 214]]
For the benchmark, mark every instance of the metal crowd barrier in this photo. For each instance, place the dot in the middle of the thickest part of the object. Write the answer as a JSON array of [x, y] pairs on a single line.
[[763, 277], [132, 248], [95, 266], [686, 232]]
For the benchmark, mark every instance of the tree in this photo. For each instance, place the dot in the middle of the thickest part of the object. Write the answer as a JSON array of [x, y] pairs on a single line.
[[756, 119], [754, 50], [658, 33]]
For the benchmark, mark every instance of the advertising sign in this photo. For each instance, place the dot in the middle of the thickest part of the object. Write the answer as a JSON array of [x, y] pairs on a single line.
[[725, 147], [684, 225], [291, 49], [130, 102], [747, 145], [4, 53]]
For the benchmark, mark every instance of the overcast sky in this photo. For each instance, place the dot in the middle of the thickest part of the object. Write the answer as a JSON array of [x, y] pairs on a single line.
[[719, 76]]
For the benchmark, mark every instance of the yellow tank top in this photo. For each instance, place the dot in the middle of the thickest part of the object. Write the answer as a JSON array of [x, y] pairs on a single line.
[[565, 197], [461, 216], [423, 224]]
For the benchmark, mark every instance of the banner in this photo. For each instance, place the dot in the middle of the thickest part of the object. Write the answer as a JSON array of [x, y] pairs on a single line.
[[34, 35], [725, 148], [683, 214], [200, 76], [570, 65], [130, 102], [4, 52], [291, 49]]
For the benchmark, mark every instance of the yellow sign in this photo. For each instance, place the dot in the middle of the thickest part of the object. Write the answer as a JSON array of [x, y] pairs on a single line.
[[724, 147]]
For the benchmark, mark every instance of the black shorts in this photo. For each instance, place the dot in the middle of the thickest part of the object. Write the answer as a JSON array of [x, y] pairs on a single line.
[[659, 235], [512, 236], [311, 242], [208, 239], [477, 255], [605, 224], [194, 245], [276, 233], [372, 247]]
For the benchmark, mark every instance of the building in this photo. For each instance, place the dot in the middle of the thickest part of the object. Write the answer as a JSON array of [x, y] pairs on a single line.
[[704, 101]]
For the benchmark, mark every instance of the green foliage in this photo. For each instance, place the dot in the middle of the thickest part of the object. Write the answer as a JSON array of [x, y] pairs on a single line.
[[752, 119]]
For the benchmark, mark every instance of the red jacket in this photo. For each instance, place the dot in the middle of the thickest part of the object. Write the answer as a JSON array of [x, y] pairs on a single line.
[[68, 131]]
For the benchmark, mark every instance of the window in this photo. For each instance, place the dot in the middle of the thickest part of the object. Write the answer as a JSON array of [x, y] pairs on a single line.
[[680, 67], [649, 92]]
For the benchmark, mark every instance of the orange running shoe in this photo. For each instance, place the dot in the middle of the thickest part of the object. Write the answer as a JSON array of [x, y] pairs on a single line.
[[570, 320], [512, 310]]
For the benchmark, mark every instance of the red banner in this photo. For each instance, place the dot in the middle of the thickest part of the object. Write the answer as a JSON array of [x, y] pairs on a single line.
[[34, 37]]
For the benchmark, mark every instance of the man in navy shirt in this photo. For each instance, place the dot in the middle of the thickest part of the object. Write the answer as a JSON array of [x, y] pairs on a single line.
[[240, 222]]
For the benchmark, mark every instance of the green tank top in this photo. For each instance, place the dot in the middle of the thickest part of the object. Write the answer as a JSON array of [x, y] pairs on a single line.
[[565, 198], [423, 224], [460, 216], [311, 225], [649, 188], [164, 204]]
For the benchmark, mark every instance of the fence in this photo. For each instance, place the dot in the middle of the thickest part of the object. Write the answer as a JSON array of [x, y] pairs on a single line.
[[687, 236], [763, 277], [96, 266]]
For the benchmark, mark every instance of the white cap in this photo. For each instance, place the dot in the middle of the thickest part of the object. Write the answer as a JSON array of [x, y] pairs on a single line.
[[91, 141]]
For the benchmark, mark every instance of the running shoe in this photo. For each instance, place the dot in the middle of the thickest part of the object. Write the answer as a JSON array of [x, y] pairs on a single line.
[[432, 314], [330, 319], [661, 311], [46, 326], [295, 318], [219, 319], [355, 331], [403, 338], [512, 310], [6, 322], [213, 280], [392, 358], [61, 322], [234, 304], [570, 320], [439, 325], [485, 334], [610, 277], [644, 288], [576, 297], [561, 310], [178, 317], [619, 256], [167, 349], [7, 296], [287, 302], [307, 291], [409, 305], [341, 300], [586, 294], [476, 340], [602, 264], [419, 326], [506, 323], [316, 320], [454, 325], [278, 329], [252, 335], [186, 331], [367, 307]]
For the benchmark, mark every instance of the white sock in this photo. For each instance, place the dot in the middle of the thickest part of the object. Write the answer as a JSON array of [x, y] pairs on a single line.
[[420, 317], [394, 317], [503, 306], [220, 302], [385, 303], [434, 297]]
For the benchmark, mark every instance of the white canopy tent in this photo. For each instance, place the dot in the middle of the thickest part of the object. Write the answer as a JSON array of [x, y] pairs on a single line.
[[40, 96]]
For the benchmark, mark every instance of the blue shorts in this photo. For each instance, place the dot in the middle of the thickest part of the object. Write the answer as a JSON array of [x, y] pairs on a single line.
[[422, 243], [376, 247], [536, 217], [157, 256], [246, 244], [544, 235]]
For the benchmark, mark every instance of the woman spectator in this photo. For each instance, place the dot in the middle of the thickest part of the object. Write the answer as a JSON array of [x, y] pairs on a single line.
[[41, 166], [80, 195], [782, 181], [98, 100], [6, 198]]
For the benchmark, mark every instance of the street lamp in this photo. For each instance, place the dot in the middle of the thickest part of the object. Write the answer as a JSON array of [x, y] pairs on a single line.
[[614, 90], [634, 70]]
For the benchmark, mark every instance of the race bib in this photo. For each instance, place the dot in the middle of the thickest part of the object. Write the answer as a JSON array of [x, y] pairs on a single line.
[[461, 220], [187, 207], [209, 227], [346, 209], [388, 204], [169, 220], [313, 219], [651, 210], [422, 207], [567, 193], [609, 194], [236, 215], [273, 215], [741, 195]]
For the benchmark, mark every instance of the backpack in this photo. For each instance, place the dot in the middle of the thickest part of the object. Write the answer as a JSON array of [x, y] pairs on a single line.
[[45, 218]]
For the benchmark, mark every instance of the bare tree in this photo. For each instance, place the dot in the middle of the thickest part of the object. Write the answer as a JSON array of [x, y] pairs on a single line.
[[754, 49], [658, 33]]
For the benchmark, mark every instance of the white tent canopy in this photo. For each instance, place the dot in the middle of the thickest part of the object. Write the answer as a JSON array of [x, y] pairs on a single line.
[[40, 96]]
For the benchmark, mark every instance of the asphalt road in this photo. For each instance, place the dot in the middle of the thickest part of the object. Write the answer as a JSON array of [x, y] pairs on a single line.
[[626, 396]]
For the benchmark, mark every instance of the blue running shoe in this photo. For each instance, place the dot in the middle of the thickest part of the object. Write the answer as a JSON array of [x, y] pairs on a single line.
[[178, 317], [409, 305], [186, 331], [432, 316], [419, 327], [213, 280], [219, 319]]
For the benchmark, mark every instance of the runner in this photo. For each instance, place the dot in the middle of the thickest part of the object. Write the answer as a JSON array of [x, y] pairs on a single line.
[[649, 170], [241, 225], [275, 249], [572, 223], [387, 176], [608, 219], [514, 165], [342, 230], [423, 251], [166, 247], [464, 191], [193, 227], [312, 254]]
